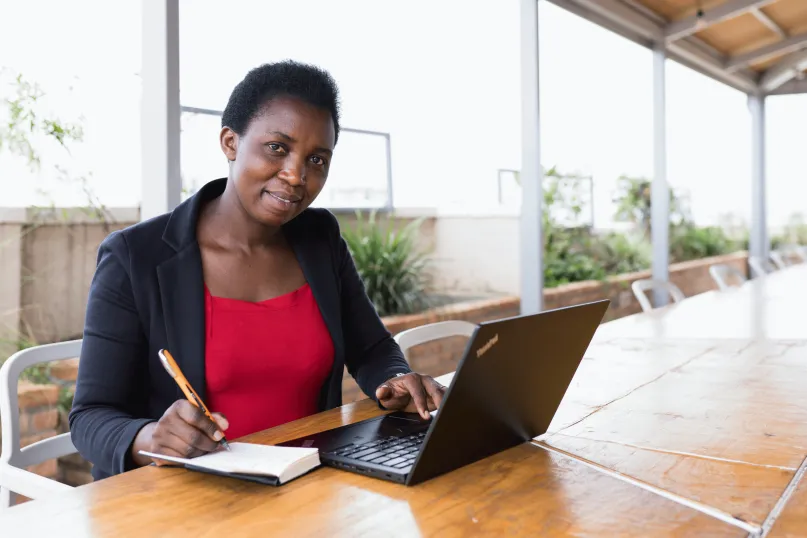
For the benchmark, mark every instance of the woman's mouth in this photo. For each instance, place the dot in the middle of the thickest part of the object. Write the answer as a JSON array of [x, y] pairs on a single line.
[[281, 200]]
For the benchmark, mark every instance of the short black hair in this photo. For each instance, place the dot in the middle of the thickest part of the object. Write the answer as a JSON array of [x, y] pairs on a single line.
[[289, 78]]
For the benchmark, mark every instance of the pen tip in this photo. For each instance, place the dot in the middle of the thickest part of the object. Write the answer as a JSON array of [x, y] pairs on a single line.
[[225, 444]]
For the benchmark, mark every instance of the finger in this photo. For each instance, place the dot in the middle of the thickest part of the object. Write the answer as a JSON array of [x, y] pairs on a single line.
[[222, 421], [435, 390], [384, 392], [196, 418], [192, 437], [414, 385], [396, 396]]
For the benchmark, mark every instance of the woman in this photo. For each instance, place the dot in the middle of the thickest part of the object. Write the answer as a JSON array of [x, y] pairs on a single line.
[[255, 296]]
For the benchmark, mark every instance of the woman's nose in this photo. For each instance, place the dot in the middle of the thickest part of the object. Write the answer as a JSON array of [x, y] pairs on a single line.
[[293, 172]]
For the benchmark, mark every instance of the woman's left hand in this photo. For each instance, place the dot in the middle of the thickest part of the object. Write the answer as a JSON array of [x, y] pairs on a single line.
[[413, 393]]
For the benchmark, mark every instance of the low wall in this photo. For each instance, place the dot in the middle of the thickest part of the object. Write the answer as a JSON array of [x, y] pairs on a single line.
[[47, 259], [437, 358]]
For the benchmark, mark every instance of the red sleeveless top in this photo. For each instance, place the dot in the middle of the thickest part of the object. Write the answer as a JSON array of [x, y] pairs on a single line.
[[265, 362]]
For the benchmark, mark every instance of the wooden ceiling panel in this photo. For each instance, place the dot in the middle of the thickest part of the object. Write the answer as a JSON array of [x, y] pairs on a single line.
[[674, 10], [790, 15], [738, 35]]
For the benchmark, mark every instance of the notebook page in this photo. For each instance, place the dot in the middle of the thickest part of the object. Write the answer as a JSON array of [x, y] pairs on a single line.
[[247, 458]]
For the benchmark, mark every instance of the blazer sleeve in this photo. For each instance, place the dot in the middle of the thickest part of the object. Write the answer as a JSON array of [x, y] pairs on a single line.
[[371, 354], [111, 385]]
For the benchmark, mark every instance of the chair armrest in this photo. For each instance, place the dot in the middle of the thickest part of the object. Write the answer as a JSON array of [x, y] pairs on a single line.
[[29, 484]]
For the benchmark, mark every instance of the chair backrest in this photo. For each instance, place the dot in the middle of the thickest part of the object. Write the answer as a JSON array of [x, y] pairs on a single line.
[[759, 267], [639, 288], [54, 447], [721, 273], [779, 259], [433, 331]]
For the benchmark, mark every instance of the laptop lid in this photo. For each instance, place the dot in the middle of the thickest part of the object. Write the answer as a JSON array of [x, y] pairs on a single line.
[[508, 386]]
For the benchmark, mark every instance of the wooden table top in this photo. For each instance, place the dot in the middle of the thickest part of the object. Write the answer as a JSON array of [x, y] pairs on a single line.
[[655, 437], [524, 491], [766, 308]]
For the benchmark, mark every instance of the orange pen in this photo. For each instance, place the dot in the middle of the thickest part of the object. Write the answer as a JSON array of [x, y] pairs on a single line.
[[173, 370]]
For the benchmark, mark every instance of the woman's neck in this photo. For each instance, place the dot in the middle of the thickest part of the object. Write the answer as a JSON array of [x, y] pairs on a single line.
[[231, 226]]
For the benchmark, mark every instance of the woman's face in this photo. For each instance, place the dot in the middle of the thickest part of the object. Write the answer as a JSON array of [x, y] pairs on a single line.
[[279, 165]]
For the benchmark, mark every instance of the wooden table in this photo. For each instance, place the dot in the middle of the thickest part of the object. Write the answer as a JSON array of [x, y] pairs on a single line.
[[771, 307], [655, 437]]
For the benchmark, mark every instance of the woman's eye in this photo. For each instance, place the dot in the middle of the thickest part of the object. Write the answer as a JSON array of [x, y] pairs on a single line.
[[276, 147], [316, 159]]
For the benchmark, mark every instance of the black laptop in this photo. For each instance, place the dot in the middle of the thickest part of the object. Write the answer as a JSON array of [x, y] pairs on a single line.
[[505, 391]]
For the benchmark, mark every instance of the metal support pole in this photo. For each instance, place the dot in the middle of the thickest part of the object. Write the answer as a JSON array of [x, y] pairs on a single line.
[[162, 180], [660, 190], [759, 244], [532, 244]]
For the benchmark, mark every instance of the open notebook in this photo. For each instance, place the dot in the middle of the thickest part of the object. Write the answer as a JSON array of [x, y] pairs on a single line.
[[273, 465]]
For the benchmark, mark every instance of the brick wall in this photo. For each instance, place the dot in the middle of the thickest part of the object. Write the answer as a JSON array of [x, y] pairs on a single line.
[[40, 418]]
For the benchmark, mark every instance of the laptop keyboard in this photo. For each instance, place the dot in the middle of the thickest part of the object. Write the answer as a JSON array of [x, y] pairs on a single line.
[[395, 452]]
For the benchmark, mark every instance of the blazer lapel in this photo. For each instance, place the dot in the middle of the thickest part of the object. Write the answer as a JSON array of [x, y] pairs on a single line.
[[182, 287], [182, 293]]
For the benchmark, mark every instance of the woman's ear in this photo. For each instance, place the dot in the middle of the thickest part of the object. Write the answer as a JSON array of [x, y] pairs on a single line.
[[228, 139]]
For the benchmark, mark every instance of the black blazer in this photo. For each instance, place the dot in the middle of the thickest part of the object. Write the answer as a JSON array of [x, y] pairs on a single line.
[[148, 293]]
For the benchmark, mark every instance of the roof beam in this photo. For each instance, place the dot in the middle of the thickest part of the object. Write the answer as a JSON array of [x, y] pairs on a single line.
[[790, 88], [769, 22], [785, 46], [615, 12], [708, 63], [785, 70], [633, 24], [688, 26]]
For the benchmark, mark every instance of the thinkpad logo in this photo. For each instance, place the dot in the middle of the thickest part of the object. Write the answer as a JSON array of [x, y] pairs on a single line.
[[484, 349]]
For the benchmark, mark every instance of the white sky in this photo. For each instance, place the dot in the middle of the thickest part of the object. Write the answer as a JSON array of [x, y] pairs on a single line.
[[442, 76]]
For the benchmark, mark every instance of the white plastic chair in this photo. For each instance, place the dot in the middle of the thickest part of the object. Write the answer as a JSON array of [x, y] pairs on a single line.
[[14, 478], [760, 267], [778, 259], [433, 331], [721, 273], [639, 288]]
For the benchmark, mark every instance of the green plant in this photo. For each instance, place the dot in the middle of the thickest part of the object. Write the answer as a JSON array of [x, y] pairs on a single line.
[[24, 123], [634, 204], [622, 253], [689, 242], [794, 233], [393, 270]]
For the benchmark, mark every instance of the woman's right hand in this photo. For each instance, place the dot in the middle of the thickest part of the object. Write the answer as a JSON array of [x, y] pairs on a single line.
[[183, 432]]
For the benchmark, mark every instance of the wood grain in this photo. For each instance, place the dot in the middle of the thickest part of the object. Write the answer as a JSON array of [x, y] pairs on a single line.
[[523, 491], [744, 403], [745, 492], [791, 522]]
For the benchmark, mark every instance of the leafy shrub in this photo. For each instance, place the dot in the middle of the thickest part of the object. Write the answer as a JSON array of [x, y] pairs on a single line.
[[689, 242], [622, 253], [795, 233], [393, 271], [567, 257]]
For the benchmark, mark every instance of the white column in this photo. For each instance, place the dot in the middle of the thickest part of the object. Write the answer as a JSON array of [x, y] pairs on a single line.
[[532, 244], [758, 239], [660, 190], [162, 182]]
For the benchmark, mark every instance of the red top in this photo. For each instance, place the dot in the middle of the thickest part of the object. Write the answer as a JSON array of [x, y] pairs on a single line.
[[265, 362]]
